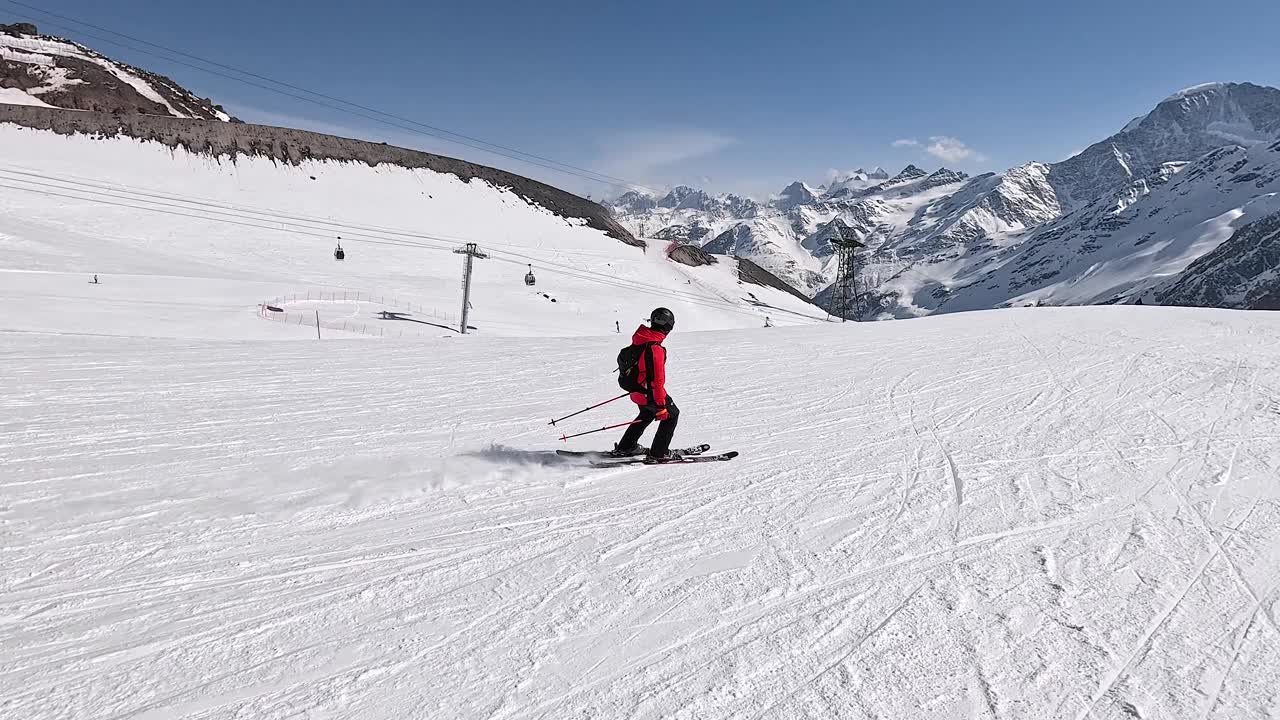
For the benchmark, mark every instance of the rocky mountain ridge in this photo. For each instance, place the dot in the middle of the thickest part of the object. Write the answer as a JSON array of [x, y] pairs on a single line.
[[47, 71]]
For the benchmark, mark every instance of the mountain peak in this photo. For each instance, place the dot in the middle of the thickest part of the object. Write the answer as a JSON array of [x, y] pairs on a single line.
[[797, 193], [943, 176], [797, 186], [908, 174], [634, 201], [1200, 89], [675, 196], [1183, 127], [1241, 113]]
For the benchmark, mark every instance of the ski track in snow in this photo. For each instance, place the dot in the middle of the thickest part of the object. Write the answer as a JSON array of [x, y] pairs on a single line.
[[1019, 514]]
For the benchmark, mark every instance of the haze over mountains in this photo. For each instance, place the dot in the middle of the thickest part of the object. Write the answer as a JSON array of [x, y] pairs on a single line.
[[1127, 215]]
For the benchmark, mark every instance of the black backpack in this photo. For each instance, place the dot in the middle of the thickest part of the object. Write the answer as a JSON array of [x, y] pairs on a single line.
[[629, 367]]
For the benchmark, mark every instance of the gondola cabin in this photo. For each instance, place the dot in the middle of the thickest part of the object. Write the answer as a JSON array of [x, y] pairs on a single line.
[[529, 279], [339, 253]]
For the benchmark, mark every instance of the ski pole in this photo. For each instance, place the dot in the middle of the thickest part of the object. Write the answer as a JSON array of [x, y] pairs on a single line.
[[611, 427], [593, 407]]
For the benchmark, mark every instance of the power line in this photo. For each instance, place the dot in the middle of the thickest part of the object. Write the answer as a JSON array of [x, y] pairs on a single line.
[[400, 122], [714, 303], [101, 201], [124, 192], [182, 204], [146, 194], [677, 294], [230, 218]]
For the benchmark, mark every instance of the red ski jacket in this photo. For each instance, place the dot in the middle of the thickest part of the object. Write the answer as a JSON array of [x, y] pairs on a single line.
[[655, 377]]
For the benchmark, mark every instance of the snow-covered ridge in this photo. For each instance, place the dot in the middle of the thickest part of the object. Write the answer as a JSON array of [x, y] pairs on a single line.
[[1196, 90], [1181, 128], [55, 72]]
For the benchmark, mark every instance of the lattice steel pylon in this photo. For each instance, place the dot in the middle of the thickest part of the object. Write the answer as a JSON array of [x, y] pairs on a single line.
[[846, 296], [471, 251]]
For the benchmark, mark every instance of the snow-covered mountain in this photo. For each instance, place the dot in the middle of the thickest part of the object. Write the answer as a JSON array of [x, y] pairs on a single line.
[[1113, 249], [1182, 127], [1109, 223], [789, 235], [48, 71], [772, 242]]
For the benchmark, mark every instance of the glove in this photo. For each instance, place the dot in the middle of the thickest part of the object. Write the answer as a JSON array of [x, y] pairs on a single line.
[[662, 414]]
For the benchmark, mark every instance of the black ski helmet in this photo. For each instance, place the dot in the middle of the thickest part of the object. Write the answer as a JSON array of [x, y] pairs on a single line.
[[662, 320]]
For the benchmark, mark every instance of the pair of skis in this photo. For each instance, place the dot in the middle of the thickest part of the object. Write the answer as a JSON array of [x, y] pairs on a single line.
[[609, 459], [682, 457]]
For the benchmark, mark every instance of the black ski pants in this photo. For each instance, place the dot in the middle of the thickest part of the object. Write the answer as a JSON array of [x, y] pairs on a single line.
[[666, 428]]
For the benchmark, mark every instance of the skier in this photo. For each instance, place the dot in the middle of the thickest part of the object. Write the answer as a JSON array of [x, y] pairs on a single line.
[[650, 391]]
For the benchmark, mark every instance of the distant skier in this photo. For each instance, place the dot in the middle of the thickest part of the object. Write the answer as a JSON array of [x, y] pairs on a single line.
[[646, 379]]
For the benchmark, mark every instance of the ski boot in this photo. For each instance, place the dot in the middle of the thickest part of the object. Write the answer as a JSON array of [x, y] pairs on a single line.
[[634, 451], [672, 456]]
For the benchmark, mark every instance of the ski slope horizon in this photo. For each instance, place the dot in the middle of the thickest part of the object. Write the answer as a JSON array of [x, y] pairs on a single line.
[[1032, 513]]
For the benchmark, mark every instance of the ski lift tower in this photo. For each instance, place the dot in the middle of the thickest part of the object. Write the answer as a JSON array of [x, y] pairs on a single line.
[[471, 252], [846, 297]]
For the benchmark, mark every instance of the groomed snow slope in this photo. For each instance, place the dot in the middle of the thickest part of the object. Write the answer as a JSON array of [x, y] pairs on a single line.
[[1035, 513], [179, 238]]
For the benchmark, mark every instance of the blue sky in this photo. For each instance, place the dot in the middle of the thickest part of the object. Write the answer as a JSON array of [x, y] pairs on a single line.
[[734, 96]]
